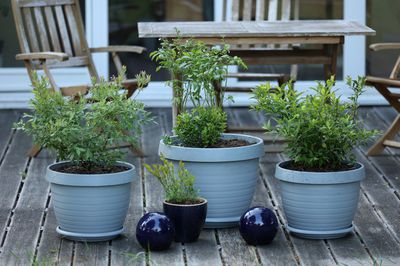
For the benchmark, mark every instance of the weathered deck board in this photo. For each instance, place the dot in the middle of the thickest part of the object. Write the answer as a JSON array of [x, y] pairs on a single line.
[[154, 194], [7, 119], [273, 253], [26, 222], [279, 251], [53, 249], [310, 252], [386, 163], [124, 249], [11, 172], [377, 223]]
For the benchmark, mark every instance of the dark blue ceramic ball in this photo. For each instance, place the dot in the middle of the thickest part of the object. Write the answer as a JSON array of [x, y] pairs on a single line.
[[155, 231], [258, 226]]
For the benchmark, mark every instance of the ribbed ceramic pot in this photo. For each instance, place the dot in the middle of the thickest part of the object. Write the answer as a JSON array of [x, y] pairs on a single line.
[[226, 177], [188, 219], [319, 205], [90, 207]]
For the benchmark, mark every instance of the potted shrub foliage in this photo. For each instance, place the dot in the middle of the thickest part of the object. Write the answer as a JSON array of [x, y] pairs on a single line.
[[320, 184], [182, 203], [90, 187], [225, 165]]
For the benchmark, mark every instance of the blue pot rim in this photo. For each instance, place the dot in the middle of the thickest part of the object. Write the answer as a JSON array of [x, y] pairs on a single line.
[[187, 205], [228, 154], [305, 177], [91, 180]]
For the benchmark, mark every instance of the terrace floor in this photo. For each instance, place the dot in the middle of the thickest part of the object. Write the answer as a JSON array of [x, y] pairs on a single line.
[[27, 221]]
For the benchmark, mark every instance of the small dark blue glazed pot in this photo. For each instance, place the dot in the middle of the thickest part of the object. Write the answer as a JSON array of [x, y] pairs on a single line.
[[155, 231], [258, 226], [188, 219]]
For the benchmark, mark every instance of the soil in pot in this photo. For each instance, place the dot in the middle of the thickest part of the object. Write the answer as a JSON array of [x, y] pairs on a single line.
[[91, 169], [188, 219], [345, 166], [228, 143], [223, 143]]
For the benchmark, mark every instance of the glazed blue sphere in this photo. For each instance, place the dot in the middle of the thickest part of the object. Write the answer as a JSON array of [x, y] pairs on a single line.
[[258, 226], [155, 231]]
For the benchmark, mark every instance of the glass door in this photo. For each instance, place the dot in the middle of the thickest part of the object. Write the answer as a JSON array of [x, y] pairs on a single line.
[[123, 18]]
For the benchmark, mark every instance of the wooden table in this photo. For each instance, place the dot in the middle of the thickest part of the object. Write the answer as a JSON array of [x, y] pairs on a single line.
[[329, 33]]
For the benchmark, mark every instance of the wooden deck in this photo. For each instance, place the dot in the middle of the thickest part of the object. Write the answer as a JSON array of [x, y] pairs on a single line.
[[27, 221]]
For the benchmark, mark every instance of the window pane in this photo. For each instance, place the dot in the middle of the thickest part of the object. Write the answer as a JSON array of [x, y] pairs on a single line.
[[9, 46], [123, 18], [387, 29]]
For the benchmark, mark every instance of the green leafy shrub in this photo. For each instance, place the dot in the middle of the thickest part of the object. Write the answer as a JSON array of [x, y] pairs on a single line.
[[80, 131], [320, 130], [178, 186], [202, 127], [196, 68]]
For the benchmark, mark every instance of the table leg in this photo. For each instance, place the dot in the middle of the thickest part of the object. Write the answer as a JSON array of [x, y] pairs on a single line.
[[332, 51]]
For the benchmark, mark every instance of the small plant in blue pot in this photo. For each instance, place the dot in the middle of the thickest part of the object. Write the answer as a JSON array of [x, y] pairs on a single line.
[[90, 187], [320, 184], [182, 203]]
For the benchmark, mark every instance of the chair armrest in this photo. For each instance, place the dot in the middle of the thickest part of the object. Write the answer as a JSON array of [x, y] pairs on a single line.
[[384, 46], [382, 81], [42, 56], [119, 48]]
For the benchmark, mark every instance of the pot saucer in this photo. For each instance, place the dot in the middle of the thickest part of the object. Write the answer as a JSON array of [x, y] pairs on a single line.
[[89, 237], [221, 222], [310, 234]]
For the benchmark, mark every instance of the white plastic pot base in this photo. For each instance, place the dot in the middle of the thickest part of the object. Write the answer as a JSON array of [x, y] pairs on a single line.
[[97, 237], [309, 234], [212, 223]]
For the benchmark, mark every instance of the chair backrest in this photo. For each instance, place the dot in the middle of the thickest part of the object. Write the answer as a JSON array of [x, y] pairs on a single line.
[[52, 26], [271, 10]]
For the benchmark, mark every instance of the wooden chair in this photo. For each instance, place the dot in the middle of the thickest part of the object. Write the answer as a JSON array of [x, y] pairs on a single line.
[[243, 10], [383, 85], [271, 10], [51, 35]]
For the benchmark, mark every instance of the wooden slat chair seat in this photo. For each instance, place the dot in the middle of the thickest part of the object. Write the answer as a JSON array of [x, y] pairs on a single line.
[[389, 89], [51, 35]]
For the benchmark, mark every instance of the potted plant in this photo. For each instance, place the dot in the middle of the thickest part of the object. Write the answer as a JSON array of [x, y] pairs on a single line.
[[90, 187], [182, 203], [225, 165], [320, 184]]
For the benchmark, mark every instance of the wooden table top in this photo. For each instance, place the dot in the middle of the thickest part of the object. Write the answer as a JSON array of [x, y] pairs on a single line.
[[232, 29]]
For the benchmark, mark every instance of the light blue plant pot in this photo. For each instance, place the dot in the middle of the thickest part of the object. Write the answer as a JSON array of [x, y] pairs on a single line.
[[226, 177], [319, 205], [90, 207]]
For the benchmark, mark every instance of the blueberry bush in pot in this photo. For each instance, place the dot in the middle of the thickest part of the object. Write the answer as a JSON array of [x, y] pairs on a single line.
[[80, 132], [320, 184]]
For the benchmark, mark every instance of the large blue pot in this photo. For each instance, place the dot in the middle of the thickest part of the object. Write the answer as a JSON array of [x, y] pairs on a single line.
[[319, 205], [226, 177], [90, 207]]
